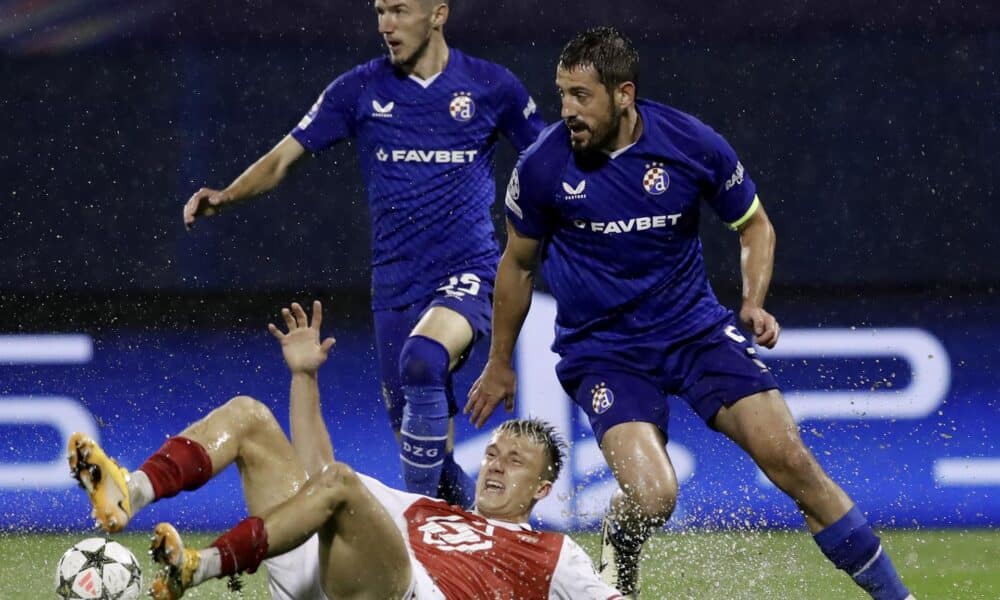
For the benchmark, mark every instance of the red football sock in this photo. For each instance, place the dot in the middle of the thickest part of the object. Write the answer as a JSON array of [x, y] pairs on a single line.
[[180, 464], [243, 547]]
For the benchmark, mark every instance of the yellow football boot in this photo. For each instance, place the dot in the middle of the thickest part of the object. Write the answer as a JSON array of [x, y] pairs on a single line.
[[179, 564], [105, 481]]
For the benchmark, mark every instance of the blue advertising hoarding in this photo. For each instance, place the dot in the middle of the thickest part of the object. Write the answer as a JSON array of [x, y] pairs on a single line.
[[900, 411]]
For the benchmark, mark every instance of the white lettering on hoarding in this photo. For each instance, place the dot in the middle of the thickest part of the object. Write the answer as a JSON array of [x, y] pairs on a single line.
[[63, 414]]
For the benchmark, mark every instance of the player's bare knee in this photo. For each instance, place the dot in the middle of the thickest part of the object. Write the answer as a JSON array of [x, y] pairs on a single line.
[[796, 469], [249, 411], [801, 462], [658, 505], [337, 474], [651, 501], [337, 482], [244, 405]]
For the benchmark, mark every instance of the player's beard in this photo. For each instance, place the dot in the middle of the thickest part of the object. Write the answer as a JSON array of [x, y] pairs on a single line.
[[602, 135]]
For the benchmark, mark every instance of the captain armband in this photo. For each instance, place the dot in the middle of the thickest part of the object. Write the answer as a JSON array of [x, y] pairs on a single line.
[[746, 216]]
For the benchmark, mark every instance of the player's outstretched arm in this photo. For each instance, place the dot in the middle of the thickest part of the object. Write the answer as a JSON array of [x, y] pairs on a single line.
[[260, 177], [757, 240], [511, 301], [304, 353]]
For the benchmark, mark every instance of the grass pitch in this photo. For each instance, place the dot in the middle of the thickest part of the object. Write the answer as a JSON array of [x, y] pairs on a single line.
[[765, 565]]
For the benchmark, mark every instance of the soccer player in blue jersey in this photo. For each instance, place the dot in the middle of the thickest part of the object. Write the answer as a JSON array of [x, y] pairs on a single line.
[[425, 120], [608, 201]]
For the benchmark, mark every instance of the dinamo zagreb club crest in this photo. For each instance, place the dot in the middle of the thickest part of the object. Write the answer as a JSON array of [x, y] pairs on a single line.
[[656, 180], [602, 398], [462, 107]]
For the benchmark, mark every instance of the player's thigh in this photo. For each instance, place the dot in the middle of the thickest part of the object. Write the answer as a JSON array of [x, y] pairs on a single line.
[[636, 453], [448, 328], [628, 414], [244, 430], [735, 393], [270, 471], [763, 426], [362, 551], [458, 314]]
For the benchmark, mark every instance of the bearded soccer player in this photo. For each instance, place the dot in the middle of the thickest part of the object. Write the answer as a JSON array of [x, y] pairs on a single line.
[[611, 197], [325, 531], [425, 120]]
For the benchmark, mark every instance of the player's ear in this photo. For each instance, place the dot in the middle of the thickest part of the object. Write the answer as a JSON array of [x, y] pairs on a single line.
[[544, 488], [439, 15], [625, 95]]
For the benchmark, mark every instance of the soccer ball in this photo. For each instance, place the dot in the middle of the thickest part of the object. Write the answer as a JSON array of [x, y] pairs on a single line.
[[98, 569]]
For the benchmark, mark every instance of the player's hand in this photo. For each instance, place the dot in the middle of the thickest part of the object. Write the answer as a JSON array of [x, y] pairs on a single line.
[[764, 326], [496, 384], [301, 346], [205, 202]]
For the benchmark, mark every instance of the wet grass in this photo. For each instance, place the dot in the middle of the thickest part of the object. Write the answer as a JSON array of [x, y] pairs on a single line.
[[690, 565], [787, 564]]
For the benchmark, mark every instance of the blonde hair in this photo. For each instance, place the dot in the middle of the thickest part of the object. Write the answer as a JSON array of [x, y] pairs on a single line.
[[540, 432]]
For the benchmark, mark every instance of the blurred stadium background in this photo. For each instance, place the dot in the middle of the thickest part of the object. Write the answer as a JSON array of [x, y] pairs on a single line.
[[871, 129]]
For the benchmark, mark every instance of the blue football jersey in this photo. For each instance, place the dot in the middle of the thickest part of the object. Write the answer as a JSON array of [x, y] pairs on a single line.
[[621, 252], [426, 151]]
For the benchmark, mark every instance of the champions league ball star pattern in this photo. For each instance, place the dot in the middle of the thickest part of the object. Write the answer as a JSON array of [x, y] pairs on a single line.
[[98, 569]]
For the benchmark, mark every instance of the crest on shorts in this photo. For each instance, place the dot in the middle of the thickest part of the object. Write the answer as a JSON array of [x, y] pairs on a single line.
[[656, 180], [462, 107], [601, 398]]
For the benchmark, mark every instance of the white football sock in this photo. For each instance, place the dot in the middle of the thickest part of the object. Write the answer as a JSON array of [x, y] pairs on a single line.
[[209, 565], [140, 490]]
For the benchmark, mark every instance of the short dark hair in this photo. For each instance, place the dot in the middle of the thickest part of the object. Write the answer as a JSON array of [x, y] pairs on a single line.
[[605, 49], [540, 432]]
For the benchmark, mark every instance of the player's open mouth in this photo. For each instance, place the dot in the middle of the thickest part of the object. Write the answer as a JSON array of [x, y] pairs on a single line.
[[393, 45], [577, 130], [493, 486]]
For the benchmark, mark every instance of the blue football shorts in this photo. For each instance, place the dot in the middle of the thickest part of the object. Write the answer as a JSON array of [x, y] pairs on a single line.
[[714, 369]]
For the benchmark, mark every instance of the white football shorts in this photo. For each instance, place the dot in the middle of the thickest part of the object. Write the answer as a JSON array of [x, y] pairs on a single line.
[[294, 575]]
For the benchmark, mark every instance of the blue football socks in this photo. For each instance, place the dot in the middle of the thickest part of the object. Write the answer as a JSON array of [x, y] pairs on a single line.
[[423, 365], [853, 547]]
